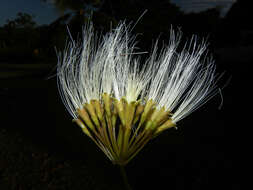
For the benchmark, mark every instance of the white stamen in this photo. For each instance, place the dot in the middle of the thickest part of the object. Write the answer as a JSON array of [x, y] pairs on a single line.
[[179, 81]]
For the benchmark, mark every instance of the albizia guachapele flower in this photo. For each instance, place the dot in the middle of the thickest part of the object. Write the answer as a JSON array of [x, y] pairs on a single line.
[[122, 104]]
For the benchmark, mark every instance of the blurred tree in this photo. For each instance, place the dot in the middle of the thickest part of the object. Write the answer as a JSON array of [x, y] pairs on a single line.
[[107, 13], [156, 21], [202, 23], [21, 35], [159, 12], [82, 11], [9, 27], [130, 9], [76, 5], [236, 22], [241, 14], [23, 20]]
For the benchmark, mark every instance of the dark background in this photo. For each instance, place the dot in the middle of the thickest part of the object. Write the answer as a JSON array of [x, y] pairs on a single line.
[[40, 148]]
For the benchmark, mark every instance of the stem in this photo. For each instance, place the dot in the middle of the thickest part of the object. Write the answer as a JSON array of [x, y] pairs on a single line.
[[123, 173]]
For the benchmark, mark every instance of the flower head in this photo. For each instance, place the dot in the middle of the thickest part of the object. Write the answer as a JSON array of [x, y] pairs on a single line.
[[120, 103]]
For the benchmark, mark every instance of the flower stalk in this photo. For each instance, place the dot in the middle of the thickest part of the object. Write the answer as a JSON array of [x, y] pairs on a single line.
[[124, 176]]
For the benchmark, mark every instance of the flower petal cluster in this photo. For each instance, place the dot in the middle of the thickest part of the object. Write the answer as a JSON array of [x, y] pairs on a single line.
[[101, 79]]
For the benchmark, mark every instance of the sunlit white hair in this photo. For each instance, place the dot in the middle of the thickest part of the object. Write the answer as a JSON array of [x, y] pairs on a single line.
[[179, 81]]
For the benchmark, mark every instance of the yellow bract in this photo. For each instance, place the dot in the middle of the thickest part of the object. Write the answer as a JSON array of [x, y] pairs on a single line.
[[120, 128]]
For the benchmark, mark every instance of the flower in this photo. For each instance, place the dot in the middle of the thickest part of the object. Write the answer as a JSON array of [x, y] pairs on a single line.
[[122, 104]]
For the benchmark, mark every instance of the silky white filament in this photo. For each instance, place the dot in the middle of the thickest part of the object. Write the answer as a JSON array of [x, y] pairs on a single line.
[[179, 81]]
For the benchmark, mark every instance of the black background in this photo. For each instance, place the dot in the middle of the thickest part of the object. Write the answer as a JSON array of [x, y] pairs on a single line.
[[40, 147]]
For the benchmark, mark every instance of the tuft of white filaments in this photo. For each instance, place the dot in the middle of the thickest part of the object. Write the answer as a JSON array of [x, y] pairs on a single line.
[[180, 82]]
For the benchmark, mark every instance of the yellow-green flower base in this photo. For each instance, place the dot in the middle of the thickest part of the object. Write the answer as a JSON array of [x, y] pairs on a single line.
[[120, 128]]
